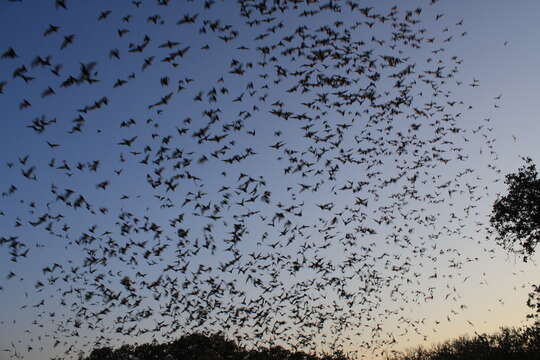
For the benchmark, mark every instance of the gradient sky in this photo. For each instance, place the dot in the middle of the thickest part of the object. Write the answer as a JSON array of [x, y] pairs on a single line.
[[500, 50]]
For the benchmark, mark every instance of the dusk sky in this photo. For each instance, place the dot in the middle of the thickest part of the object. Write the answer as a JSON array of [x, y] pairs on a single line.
[[267, 176]]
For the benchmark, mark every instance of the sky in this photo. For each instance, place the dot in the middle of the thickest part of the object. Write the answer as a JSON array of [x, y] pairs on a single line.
[[495, 48]]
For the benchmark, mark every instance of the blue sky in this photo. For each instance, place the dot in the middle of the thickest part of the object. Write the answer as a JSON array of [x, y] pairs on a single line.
[[499, 49]]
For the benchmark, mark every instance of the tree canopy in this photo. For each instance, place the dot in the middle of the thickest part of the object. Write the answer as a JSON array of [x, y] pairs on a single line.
[[516, 216], [516, 220], [507, 344], [203, 347]]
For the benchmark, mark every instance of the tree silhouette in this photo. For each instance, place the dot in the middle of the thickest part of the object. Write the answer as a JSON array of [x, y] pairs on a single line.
[[203, 347], [516, 216], [506, 344], [516, 220], [533, 302]]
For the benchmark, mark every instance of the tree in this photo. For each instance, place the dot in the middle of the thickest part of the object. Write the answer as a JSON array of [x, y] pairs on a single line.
[[506, 344], [516, 220], [203, 347], [516, 216], [533, 302]]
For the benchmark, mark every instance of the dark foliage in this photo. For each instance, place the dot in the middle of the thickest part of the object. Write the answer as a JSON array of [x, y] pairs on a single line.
[[516, 216], [534, 303], [202, 347], [507, 344], [516, 220]]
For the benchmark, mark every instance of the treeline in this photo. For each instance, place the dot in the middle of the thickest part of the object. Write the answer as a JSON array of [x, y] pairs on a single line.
[[506, 344], [202, 347]]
